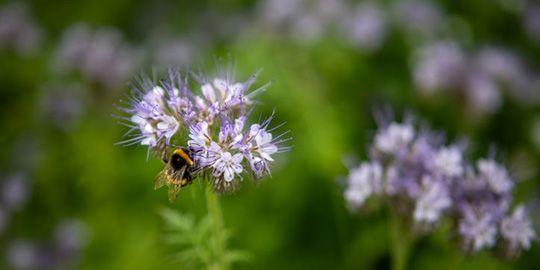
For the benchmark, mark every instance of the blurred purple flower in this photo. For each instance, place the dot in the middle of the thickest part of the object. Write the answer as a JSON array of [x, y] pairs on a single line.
[[302, 20], [427, 180], [18, 31], [482, 92], [394, 139], [63, 253], [480, 78], [434, 199], [517, 230], [418, 17], [14, 192], [531, 21], [276, 13], [4, 219], [363, 181], [23, 255], [365, 27], [448, 162], [495, 176], [100, 55], [63, 105], [439, 66], [511, 72], [175, 52], [70, 239], [478, 230]]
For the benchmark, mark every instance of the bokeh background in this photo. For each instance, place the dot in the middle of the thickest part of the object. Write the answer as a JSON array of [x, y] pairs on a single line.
[[71, 199]]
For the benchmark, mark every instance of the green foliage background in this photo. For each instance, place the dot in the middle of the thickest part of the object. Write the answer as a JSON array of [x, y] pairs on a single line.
[[326, 92]]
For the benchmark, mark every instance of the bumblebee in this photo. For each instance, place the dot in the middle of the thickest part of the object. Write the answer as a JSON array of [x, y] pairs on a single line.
[[177, 172]]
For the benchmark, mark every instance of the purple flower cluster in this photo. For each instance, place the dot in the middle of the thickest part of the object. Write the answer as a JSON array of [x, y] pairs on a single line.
[[427, 179], [61, 252], [481, 77], [223, 145], [13, 194], [100, 55], [62, 104], [18, 30], [362, 25], [365, 25]]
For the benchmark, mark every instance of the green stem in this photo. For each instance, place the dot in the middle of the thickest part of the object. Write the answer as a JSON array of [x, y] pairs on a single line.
[[214, 209], [400, 240]]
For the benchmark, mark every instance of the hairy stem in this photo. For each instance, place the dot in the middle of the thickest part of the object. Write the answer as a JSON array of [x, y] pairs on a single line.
[[214, 209], [400, 241]]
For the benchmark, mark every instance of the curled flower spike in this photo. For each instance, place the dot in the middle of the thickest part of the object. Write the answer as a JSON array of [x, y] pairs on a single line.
[[427, 181], [211, 122]]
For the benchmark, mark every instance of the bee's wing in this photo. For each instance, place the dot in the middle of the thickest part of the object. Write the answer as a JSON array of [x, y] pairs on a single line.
[[176, 186], [161, 179], [174, 190]]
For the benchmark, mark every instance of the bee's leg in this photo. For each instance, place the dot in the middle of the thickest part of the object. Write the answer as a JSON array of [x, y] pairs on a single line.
[[164, 157], [186, 180], [183, 182]]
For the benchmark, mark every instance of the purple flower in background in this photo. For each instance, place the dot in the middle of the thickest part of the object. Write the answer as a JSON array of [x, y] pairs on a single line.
[[428, 181], [70, 238], [433, 200], [510, 71], [62, 252], [439, 66], [23, 255], [531, 21], [363, 181], [63, 104], [14, 192], [365, 27], [276, 13], [167, 51], [302, 20], [394, 139], [418, 17], [482, 91], [477, 229], [223, 147], [517, 230], [18, 31], [448, 162], [4, 219], [100, 55], [481, 78], [495, 175]]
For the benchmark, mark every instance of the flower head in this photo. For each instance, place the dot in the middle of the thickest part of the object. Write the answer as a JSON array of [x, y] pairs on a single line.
[[214, 119], [428, 181]]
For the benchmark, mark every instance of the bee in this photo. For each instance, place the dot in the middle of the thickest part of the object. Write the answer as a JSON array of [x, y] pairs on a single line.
[[177, 172]]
